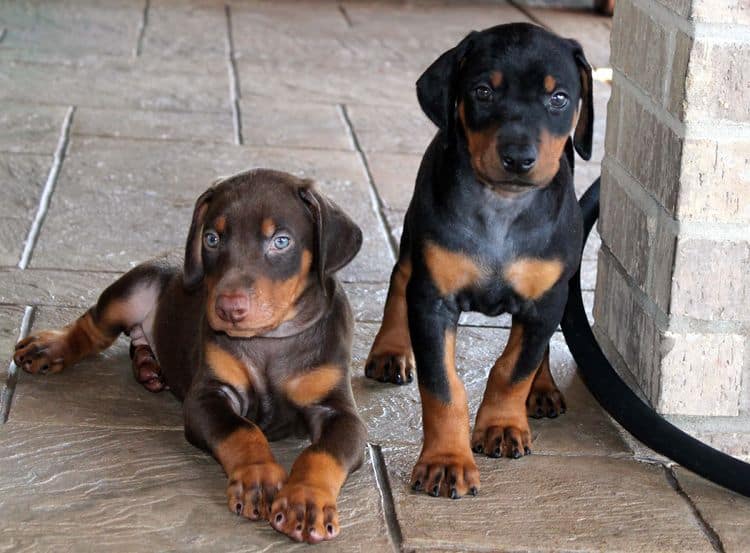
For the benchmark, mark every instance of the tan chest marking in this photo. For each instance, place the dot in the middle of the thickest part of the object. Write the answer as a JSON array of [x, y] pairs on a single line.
[[226, 367], [312, 386], [531, 278], [451, 271]]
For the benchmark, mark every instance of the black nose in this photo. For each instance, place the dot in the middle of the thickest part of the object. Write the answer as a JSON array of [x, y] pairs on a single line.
[[518, 158]]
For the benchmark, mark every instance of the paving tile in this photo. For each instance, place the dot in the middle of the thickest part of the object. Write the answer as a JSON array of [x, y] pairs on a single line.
[[115, 83], [80, 488], [99, 391], [587, 27], [52, 287], [726, 512], [158, 125], [45, 28], [299, 125], [10, 326], [130, 186], [22, 178], [549, 503], [30, 129], [393, 413], [194, 30], [395, 129], [394, 176]]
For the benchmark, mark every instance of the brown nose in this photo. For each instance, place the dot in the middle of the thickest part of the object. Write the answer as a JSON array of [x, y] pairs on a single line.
[[233, 307]]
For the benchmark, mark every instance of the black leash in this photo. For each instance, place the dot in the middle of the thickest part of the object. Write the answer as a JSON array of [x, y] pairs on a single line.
[[623, 404]]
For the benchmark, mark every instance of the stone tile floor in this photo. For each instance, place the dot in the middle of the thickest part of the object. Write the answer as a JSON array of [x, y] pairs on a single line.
[[113, 117]]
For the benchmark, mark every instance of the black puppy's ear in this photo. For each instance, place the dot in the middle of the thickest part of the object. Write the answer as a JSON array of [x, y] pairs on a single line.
[[337, 237], [192, 274], [436, 88], [583, 136]]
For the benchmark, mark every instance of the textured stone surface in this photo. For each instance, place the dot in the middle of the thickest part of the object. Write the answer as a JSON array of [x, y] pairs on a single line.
[[399, 129], [394, 176], [52, 287], [295, 124], [91, 488], [542, 503], [393, 413], [117, 176], [30, 129], [22, 178], [162, 125], [727, 513]]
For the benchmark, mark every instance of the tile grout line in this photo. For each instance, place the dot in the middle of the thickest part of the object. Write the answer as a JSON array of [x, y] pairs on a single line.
[[2, 33], [345, 15], [377, 201], [386, 496], [141, 29], [9, 386], [527, 12], [707, 529], [234, 81], [49, 188]]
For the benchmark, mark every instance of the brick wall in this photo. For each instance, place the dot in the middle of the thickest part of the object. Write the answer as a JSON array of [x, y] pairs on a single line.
[[673, 289]]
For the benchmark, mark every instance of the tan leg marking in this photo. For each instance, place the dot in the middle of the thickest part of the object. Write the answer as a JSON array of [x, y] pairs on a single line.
[[391, 357], [305, 508], [501, 428], [530, 278], [446, 465], [545, 399]]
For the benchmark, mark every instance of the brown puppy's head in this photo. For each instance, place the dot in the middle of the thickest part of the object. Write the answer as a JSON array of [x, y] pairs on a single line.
[[510, 94], [258, 241]]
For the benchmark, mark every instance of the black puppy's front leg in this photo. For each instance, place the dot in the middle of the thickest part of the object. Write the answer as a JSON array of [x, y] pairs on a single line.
[[446, 465]]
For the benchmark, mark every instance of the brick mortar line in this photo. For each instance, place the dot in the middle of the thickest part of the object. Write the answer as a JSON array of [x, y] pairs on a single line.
[[234, 81], [47, 191], [631, 88], [9, 386], [671, 323], [377, 460], [377, 202], [141, 29], [711, 535]]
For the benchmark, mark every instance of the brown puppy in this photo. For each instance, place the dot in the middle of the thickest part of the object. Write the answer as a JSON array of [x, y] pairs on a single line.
[[254, 335]]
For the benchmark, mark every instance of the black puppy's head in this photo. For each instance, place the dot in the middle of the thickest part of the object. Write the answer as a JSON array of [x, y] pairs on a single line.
[[512, 94], [260, 239]]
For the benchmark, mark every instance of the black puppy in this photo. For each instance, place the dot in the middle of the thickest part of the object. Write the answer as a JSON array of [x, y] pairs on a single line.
[[493, 226]]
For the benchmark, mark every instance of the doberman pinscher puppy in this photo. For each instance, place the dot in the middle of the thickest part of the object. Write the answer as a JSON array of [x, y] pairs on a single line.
[[254, 335], [493, 226]]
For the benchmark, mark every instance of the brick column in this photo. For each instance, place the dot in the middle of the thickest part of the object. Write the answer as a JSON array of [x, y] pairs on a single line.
[[672, 302]]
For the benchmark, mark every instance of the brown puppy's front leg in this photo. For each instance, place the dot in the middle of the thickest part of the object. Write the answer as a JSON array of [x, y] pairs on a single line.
[[305, 508], [213, 422]]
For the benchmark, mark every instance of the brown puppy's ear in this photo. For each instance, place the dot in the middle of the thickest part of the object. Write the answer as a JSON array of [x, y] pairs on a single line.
[[192, 274], [337, 237], [436, 88], [583, 136]]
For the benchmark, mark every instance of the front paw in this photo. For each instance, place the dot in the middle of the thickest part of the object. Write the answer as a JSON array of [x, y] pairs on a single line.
[[305, 512], [503, 438], [391, 366], [42, 353], [252, 489], [545, 402], [449, 475]]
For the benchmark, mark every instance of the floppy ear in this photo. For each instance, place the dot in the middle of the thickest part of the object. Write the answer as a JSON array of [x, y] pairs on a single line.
[[337, 237], [584, 133], [436, 88], [192, 274]]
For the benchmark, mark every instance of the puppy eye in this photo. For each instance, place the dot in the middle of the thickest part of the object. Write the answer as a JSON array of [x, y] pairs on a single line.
[[483, 93], [558, 100], [211, 239], [281, 242]]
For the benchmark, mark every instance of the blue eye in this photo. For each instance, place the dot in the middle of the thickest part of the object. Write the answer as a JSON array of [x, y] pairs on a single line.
[[211, 239], [281, 242]]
